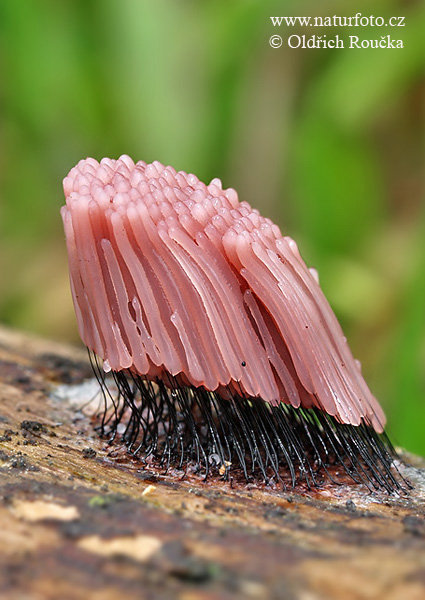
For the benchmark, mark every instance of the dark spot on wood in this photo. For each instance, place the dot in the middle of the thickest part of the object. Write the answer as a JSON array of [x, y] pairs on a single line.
[[89, 453], [414, 525], [183, 565], [146, 476], [63, 369], [4, 456], [7, 435], [350, 505], [33, 426]]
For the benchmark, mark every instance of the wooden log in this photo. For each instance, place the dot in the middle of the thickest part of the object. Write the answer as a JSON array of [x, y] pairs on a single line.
[[81, 519]]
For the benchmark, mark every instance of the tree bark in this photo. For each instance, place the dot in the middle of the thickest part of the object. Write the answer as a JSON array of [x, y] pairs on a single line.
[[79, 518]]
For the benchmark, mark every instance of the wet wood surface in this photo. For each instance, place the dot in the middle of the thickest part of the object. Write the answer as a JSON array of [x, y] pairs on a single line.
[[80, 519]]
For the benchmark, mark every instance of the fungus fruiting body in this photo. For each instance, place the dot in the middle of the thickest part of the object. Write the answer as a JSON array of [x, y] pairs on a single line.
[[226, 356]]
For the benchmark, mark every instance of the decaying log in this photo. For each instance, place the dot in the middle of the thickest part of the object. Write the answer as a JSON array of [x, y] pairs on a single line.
[[81, 519]]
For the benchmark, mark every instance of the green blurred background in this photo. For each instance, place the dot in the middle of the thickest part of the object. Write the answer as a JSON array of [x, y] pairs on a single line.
[[328, 143]]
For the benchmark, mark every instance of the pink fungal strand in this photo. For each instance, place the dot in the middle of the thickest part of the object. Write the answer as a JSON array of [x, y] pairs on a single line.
[[169, 275]]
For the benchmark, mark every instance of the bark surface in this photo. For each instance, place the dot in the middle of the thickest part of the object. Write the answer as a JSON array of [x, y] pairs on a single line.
[[79, 518]]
